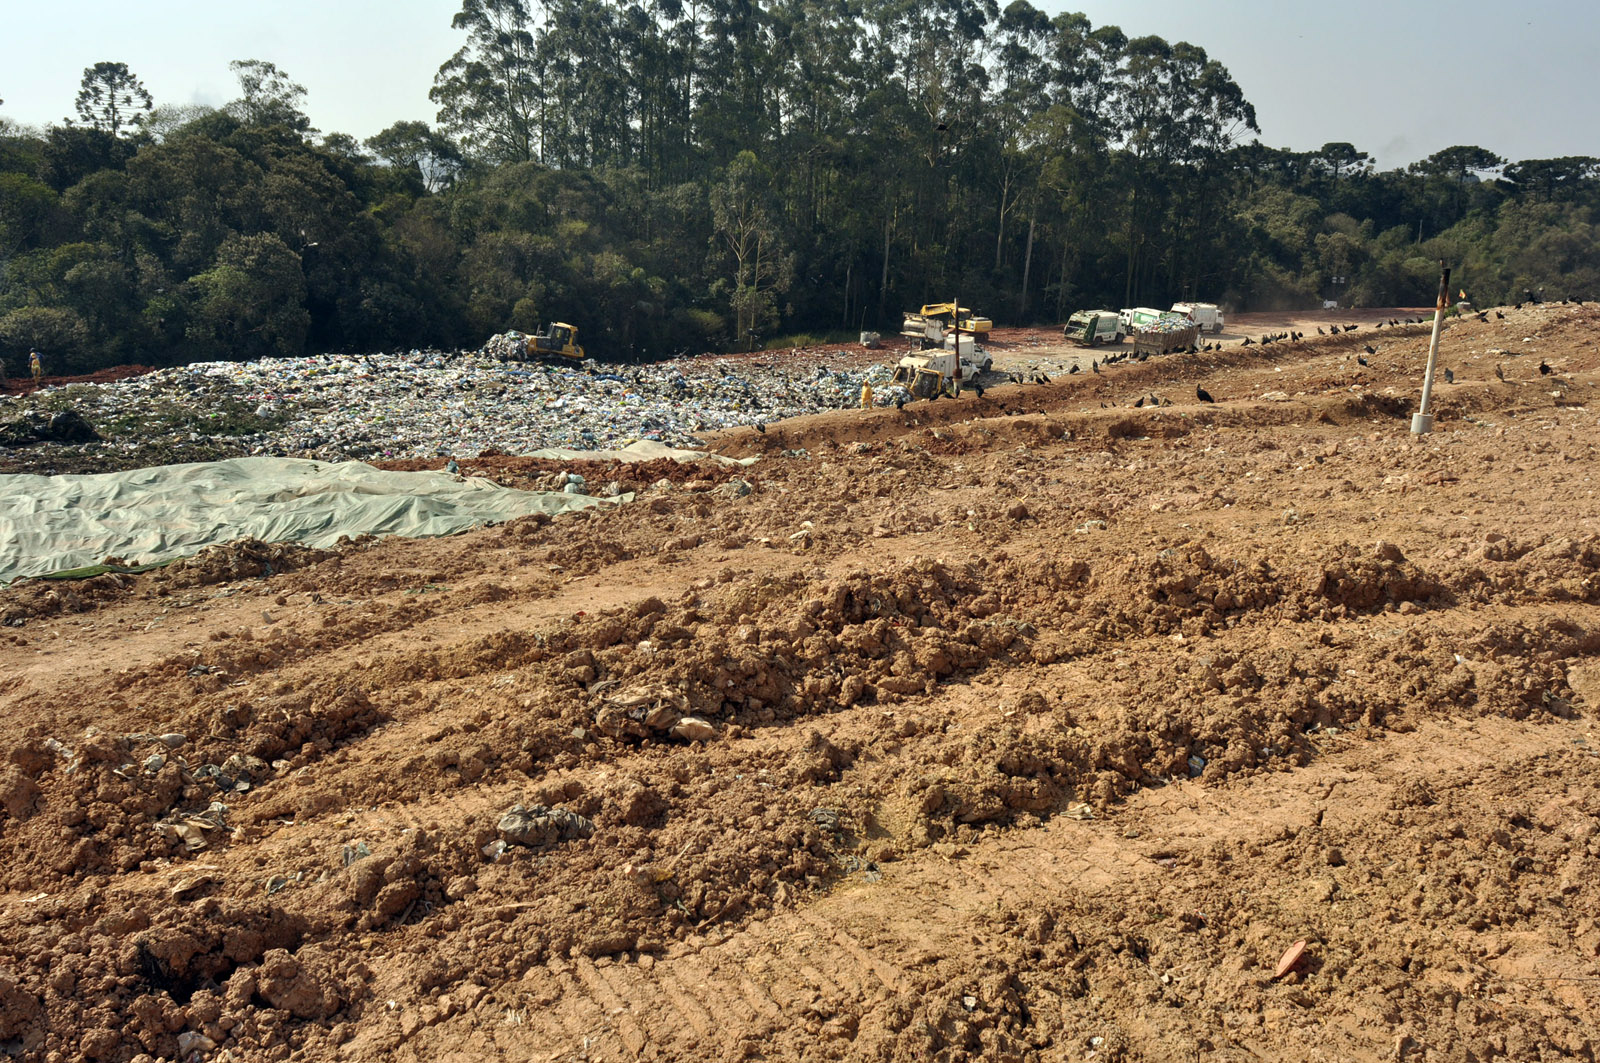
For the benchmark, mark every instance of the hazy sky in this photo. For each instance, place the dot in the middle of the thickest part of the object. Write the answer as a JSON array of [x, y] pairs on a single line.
[[1400, 79]]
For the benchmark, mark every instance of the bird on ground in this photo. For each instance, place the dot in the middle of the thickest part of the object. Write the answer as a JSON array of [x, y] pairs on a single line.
[[1393, 323], [900, 403], [1074, 369], [1360, 360], [1266, 340], [1378, 325], [1517, 307], [1449, 376], [1499, 374], [761, 428], [1483, 316], [1202, 394], [1370, 349], [1247, 342], [1094, 366], [1043, 379], [1320, 332], [1544, 368], [1138, 403], [1500, 314], [979, 389]]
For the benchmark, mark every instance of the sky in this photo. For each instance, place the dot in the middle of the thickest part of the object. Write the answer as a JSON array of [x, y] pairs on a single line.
[[1399, 80]]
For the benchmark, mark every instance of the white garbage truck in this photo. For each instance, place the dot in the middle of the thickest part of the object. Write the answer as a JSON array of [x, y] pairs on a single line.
[[1207, 315]]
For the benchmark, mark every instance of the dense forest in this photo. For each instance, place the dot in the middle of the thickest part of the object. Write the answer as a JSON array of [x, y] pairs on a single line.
[[691, 175]]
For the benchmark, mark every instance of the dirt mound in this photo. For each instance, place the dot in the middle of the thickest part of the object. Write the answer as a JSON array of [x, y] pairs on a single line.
[[25, 385], [1035, 727]]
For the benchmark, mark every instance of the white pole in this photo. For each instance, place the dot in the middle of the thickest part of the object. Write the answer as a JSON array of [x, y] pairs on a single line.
[[1422, 420]]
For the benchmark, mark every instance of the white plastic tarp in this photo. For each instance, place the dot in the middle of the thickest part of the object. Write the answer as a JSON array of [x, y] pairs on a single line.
[[52, 523]]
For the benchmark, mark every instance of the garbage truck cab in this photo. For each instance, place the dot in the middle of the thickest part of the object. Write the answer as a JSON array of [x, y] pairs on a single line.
[[1207, 315], [1091, 328], [1135, 318]]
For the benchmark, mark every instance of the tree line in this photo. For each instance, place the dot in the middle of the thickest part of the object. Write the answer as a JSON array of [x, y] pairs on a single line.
[[691, 175]]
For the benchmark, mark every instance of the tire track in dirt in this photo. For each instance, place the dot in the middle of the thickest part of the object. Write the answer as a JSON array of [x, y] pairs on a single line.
[[776, 977]]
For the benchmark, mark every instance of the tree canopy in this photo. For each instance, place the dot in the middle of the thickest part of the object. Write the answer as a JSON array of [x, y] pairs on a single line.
[[673, 175]]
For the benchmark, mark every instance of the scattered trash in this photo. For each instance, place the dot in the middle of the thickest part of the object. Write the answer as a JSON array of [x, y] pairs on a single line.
[[826, 818], [1197, 766], [539, 826], [191, 829], [433, 404], [1290, 960], [694, 729], [1080, 810]]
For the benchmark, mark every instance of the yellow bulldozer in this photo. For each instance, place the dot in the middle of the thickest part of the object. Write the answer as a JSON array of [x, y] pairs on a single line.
[[559, 339], [556, 340]]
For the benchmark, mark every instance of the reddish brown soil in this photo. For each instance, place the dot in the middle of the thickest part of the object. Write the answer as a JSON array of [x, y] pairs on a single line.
[[956, 665], [25, 385], [542, 474]]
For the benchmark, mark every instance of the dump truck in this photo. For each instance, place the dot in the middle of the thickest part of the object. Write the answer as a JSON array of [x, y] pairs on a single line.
[[1091, 328], [931, 373], [1166, 334], [1207, 315]]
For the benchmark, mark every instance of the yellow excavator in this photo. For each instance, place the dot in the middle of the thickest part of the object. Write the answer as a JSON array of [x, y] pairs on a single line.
[[558, 338], [969, 323]]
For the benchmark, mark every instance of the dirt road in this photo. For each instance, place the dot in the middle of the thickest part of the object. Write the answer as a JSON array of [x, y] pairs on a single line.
[[1036, 726]]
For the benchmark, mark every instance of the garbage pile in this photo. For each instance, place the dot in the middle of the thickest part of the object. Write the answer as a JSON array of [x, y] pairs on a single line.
[[1167, 324], [507, 345], [423, 404]]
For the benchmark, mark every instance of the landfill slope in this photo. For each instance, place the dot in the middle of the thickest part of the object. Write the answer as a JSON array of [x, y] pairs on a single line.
[[1035, 726]]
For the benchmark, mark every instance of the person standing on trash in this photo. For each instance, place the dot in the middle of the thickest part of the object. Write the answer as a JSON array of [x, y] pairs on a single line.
[[866, 395], [35, 366]]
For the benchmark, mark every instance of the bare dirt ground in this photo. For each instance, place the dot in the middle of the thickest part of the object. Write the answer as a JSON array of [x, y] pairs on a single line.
[[1036, 726]]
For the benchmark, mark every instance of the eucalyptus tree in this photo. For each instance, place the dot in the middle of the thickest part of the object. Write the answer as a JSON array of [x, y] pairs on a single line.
[[750, 241], [268, 97], [420, 149], [1176, 113], [489, 94]]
